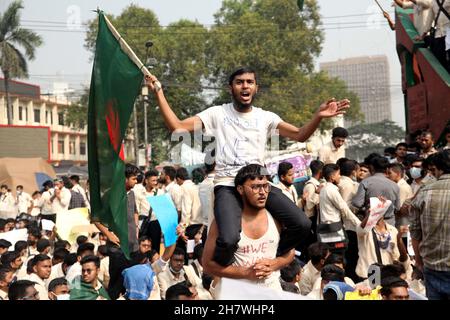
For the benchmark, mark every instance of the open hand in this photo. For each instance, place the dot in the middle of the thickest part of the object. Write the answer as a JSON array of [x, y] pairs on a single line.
[[332, 108]]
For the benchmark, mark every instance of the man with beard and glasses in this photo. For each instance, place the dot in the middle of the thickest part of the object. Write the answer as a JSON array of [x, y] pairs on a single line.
[[241, 131]]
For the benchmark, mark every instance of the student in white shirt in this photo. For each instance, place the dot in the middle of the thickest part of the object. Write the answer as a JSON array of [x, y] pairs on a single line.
[[241, 131], [335, 149], [42, 267], [206, 193], [334, 211], [23, 200], [286, 184], [75, 180], [171, 187], [60, 199]]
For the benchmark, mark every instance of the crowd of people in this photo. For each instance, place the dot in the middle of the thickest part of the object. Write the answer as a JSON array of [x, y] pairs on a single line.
[[235, 222]]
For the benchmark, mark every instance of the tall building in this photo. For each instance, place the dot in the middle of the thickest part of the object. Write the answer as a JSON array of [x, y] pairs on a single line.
[[368, 77], [37, 117]]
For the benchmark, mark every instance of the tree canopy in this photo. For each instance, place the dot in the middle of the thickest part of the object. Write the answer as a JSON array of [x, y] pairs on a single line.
[[193, 62]]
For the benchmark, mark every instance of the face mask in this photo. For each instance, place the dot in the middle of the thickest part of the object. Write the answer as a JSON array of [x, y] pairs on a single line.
[[415, 172], [19, 192], [64, 296], [173, 271]]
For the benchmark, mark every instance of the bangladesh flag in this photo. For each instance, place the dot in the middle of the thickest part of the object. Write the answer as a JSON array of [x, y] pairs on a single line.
[[300, 4], [115, 84]]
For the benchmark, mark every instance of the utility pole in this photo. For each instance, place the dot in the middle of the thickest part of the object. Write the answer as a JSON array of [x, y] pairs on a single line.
[[136, 136]]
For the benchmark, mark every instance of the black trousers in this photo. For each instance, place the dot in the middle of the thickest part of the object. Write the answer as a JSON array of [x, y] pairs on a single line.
[[228, 212], [351, 256], [117, 263], [154, 233], [437, 46]]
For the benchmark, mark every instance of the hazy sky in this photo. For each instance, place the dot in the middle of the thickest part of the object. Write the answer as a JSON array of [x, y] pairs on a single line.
[[352, 28]]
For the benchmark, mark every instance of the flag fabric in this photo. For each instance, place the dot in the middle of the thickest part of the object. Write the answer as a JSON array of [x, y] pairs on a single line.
[[300, 4], [115, 84]]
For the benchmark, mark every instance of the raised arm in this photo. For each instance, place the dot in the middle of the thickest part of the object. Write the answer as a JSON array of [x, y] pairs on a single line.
[[170, 118], [328, 109]]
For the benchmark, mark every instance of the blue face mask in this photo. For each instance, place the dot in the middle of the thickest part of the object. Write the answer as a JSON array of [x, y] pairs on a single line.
[[415, 172]]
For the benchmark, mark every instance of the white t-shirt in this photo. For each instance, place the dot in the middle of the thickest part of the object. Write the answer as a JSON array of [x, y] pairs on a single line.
[[240, 138]]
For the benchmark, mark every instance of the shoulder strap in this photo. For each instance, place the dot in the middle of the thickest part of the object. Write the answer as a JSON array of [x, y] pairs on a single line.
[[441, 9], [194, 266], [377, 247]]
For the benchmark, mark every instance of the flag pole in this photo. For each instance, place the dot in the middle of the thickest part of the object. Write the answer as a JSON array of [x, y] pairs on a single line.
[[126, 48], [379, 5]]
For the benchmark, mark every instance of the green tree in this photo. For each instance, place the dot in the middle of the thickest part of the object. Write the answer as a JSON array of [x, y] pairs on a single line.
[[280, 43], [13, 62], [373, 137]]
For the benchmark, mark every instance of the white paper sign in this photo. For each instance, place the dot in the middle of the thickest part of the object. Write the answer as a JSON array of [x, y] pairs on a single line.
[[14, 236], [47, 224], [190, 246], [377, 210], [232, 289]]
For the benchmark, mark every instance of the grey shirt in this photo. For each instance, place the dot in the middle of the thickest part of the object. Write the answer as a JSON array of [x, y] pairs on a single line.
[[131, 211], [378, 185]]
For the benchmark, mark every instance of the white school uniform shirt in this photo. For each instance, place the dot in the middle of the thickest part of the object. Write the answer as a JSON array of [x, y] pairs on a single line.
[[240, 138], [24, 201]]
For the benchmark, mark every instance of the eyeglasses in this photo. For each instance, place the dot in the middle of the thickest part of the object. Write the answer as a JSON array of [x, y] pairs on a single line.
[[266, 187]]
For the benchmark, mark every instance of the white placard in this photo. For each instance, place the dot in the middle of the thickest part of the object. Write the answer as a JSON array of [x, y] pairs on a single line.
[[190, 246], [14, 236], [47, 224], [377, 210]]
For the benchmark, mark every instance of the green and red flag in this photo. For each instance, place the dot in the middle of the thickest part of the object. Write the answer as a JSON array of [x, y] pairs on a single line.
[[115, 83]]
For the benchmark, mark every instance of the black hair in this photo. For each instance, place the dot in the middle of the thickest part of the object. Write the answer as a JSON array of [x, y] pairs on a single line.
[[401, 144], [3, 186], [4, 270], [150, 254], [329, 170], [442, 161], [61, 244], [2, 223], [179, 252], [331, 272], [182, 174], [137, 257], [35, 232], [239, 72], [48, 183], [390, 150], [60, 254], [210, 167], [10, 220], [283, 168], [369, 158], [103, 250], [316, 166], [131, 170], [42, 244], [397, 168], [66, 182], [91, 258], [140, 178], [411, 158], [81, 239], [392, 270], [198, 252], [341, 160], [379, 164], [56, 283], [144, 238], [198, 175], [35, 193], [317, 251], [335, 258], [18, 290], [70, 259], [180, 289], [347, 167], [428, 133], [387, 284], [151, 173], [339, 132], [75, 178], [170, 172], [8, 257], [250, 172], [5, 243], [39, 258], [289, 272], [84, 247], [19, 187]]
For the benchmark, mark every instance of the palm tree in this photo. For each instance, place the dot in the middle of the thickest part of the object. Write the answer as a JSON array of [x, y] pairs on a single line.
[[13, 62]]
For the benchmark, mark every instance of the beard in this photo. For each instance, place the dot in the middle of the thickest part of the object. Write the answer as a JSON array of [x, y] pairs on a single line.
[[239, 105]]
